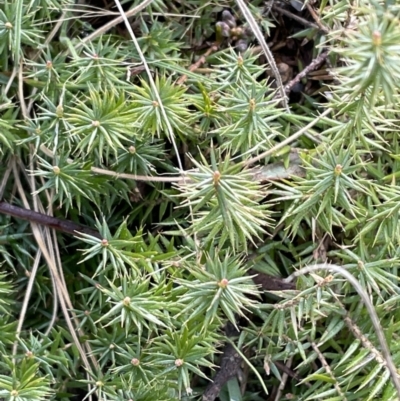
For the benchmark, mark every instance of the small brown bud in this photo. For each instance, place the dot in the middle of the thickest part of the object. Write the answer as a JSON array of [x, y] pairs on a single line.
[[223, 283], [376, 38], [216, 177], [29, 354], [338, 169]]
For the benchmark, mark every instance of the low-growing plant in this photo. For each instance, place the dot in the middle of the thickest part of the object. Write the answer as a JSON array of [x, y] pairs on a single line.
[[188, 211]]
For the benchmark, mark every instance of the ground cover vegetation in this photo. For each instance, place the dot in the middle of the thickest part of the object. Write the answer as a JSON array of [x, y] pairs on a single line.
[[199, 200]]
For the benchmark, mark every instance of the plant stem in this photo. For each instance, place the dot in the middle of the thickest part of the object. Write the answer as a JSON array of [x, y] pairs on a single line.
[[45, 220], [368, 304]]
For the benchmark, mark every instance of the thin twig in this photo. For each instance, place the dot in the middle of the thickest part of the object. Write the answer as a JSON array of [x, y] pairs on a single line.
[[24, 109], [5, 178], [270, 283], [368, 304], [116, 21], [32, 276], [312, 66], [285, 376], [327, 368], [290, 372], [272, 172], [316, 18], [268, 54], [198, 63], [365, 342], [10, 81], [25, 302], [117, 175], [171, 135], [65, 226], [54, 283], [135, 177], [295, 17], [57, 275]]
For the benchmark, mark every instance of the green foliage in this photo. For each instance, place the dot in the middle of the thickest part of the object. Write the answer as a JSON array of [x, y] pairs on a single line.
[[146, 110], [5, 291], [225, 203], [325, 191], [99, 122], [252, 112], [221, 284], [372, 49], [193, 178], [23, 382], [65, 178]]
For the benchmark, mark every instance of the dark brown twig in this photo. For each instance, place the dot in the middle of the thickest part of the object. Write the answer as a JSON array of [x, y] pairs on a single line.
[[290, 372], [45, 220], [270, 283], [268, 173], [295, 17], [316, 18], [312, 66], [231, 360], [317, 25], [229, 367]]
